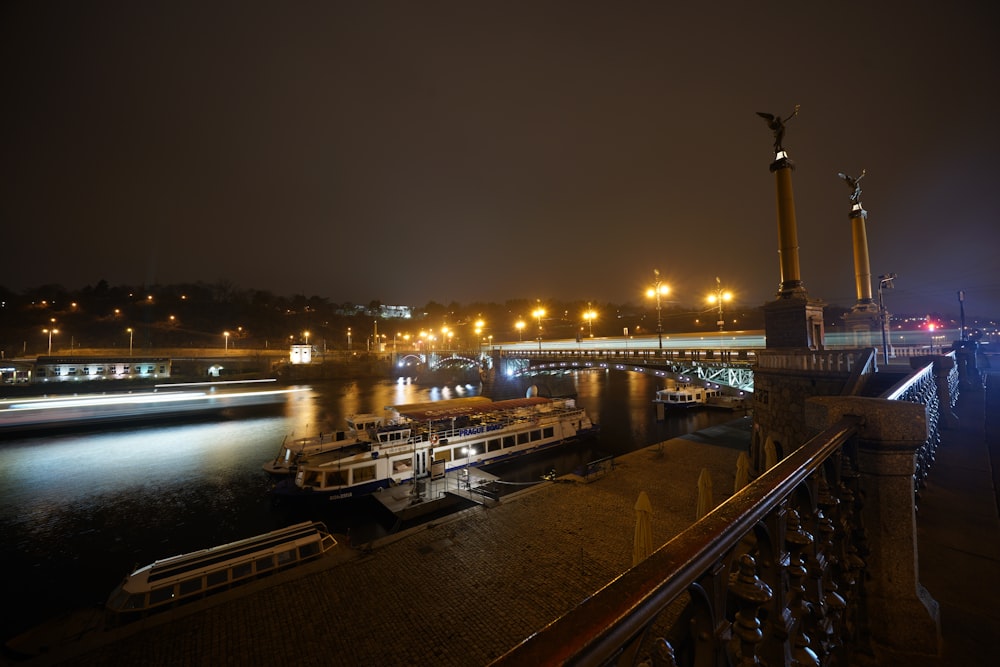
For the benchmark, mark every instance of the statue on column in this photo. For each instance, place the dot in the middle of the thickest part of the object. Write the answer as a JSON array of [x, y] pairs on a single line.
[[854, 184], [777, 125]]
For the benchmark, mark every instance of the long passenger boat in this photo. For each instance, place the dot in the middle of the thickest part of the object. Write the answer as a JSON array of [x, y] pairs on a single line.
[[425, 440], [166, 582]]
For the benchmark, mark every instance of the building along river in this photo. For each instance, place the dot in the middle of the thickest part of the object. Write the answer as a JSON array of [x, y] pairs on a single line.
[[78, 511]]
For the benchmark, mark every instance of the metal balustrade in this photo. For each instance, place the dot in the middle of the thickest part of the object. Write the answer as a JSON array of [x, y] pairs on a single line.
[[776, 574]]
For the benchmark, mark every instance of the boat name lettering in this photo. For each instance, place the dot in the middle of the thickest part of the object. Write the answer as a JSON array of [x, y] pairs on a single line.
[[480, 429]]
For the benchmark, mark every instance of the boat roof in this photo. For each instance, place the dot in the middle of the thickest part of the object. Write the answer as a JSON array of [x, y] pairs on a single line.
[[446, 410]]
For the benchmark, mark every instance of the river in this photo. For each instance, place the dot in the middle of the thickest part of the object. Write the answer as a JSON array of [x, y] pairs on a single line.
[[80, 510]]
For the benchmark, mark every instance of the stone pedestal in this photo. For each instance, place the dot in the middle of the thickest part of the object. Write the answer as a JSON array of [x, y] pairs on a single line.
[[902, 614], [794, 322]]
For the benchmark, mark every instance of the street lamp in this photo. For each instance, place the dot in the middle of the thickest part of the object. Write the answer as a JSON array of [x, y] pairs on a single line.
[[225, 336], [348, 339], [539, 313], [50, 332], [306, 335], [519, 325], [130, 332], [589, 316], [658, 289], [885, 280], [718, 298], [468, 451]]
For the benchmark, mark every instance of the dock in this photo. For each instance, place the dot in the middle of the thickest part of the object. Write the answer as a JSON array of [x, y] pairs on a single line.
[[412, 500]]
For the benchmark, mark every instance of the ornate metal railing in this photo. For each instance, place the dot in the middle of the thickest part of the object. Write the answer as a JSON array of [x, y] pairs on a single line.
[[773, 575]]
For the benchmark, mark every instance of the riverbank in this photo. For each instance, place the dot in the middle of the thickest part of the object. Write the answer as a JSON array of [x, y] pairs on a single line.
[[458, 591]]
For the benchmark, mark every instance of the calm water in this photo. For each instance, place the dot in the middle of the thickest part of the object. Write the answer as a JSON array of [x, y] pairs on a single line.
[[79, 511]]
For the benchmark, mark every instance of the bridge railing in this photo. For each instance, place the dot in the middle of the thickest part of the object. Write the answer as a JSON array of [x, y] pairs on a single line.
[[640, 354], [776, 574]]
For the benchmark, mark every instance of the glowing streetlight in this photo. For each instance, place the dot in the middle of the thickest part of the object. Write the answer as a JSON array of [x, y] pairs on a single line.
[[657, 290], [306, 335], [468, 451], [538, 313], [590, 315], [519, 325], [50, 332], [225, 336], [130, 332], [348, 339], [718, 298]]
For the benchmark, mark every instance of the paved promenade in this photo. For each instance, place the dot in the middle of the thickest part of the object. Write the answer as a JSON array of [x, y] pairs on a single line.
[[461, 592]]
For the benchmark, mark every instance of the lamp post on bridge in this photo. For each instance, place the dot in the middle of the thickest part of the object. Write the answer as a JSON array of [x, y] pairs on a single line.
[[590, 315], [885, 280], [657, 290], [539, 313], [130, 332], [718, 297]]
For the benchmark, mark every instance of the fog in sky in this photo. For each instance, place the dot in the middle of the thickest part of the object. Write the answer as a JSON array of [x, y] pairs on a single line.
[[480, 151]]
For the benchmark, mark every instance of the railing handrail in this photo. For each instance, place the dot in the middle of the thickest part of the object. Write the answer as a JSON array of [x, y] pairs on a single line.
[[598, 627]]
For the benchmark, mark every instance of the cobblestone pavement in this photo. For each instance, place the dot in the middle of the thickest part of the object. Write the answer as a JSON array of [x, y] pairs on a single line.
[[461, 591]]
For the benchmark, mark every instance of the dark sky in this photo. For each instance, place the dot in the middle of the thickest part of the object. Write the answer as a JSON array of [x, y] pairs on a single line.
[[472, 150]]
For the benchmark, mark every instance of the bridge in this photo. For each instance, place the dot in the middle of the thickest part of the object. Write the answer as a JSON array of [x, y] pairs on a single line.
[[724, 358]]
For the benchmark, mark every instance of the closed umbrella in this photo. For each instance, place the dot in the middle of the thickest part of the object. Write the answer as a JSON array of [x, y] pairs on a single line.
[[705, 502], [742, 472], [643, 544]]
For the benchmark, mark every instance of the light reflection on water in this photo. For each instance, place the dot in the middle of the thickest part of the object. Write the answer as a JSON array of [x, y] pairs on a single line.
[[80, 510]]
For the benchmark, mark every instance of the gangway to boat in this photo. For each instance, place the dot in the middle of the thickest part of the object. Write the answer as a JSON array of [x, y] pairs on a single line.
[[430, 495]]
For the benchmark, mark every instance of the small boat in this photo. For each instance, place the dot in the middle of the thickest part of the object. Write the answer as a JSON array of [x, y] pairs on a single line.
[[359, 430], [684, 395], [423, 441], [167, 582]]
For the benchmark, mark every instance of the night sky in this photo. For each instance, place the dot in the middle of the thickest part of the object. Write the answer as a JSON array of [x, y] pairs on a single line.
[[481, 151]]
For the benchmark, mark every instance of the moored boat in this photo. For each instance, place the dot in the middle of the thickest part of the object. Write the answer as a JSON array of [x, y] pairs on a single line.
[[426, 440], [359, 430], [167, 582], [684, 396]]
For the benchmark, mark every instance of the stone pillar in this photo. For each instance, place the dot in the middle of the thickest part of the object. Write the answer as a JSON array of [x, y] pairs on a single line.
[[793, 320], [965, 357], [902, 614], [788, 235], [862, 266]]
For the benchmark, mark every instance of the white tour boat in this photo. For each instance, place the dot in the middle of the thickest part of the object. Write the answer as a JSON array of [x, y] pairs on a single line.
[[172, 580], [425, 440], [360, 429]]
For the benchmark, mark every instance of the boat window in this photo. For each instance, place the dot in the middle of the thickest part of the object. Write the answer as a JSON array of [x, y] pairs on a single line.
[[522, 438], [536, 435], [286, 557], [243, 570], [311, 478], [160, 595], [217, 578], [265, 563], [493, 445], [442, 455], [364, 474], [308, 550], [508, 441], [334, 478], [189, 586], [402, 466], [135, 601], [548, 432]]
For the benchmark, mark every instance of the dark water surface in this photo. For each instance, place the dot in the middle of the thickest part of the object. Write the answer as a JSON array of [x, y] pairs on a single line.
[[79, 511]]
